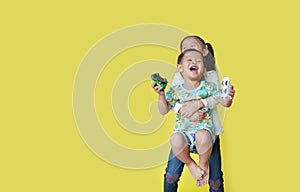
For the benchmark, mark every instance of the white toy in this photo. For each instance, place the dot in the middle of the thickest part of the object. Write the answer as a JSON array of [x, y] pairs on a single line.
[[225, 87]]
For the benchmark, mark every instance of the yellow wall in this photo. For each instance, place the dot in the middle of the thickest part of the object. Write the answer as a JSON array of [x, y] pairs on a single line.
[[43, 46]]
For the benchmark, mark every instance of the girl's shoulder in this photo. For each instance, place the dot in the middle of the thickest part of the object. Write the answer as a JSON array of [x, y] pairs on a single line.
[[212, 76], [177, 79]]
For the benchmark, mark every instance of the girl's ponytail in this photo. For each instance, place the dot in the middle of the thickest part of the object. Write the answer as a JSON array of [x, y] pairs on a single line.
[[206, 45], [210, 62], [210, 48]]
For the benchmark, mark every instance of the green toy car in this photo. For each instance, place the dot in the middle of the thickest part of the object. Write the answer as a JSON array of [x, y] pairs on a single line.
[[159, 80]]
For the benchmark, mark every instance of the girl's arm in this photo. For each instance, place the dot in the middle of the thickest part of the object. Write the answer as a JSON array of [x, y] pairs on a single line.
[[216, 94], [226, 102]]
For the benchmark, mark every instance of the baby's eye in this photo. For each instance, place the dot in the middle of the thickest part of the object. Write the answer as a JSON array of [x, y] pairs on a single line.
[[198, 60], [189, 59]]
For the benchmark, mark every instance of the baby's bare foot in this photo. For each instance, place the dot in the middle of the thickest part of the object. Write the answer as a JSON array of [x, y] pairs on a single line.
[[195, 171], [200, 183], [205, 167]]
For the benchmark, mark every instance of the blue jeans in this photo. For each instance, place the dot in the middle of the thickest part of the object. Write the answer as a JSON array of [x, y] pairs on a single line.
[[175, 168]]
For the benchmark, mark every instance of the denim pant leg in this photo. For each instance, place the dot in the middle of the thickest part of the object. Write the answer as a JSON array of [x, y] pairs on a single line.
[[173, 173], [215, 169]]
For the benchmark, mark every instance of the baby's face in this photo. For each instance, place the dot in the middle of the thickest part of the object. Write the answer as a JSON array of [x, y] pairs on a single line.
[[191, 43], [192, 65]]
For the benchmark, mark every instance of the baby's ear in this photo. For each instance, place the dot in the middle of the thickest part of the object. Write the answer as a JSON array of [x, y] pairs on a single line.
[[205, 52], [179, 67]]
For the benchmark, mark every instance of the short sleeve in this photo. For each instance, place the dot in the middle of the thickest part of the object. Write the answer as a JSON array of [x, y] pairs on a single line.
[[172, 97], [214, 90]]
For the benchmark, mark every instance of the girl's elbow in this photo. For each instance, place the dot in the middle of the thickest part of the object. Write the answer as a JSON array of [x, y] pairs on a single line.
[[228, 104]]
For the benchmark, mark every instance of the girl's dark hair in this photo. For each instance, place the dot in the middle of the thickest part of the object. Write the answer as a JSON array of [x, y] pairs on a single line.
[[210, 49], [184, 52], [202, 42]]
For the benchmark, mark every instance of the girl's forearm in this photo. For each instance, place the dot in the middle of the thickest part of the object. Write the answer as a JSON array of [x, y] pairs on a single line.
[[225, 102]]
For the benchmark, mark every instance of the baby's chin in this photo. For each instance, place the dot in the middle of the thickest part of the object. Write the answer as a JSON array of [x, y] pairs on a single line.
[[193, 76], [196, 74], [196, 78]]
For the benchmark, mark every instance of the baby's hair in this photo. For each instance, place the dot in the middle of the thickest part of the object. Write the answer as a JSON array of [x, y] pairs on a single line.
[[180, 56], [202, 43]]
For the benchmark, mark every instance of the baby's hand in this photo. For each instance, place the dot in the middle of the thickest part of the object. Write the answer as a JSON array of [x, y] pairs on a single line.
[[158, 89]]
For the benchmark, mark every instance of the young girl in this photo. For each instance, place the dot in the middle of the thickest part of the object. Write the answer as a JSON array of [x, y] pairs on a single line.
[[190, 110], [190, 136]]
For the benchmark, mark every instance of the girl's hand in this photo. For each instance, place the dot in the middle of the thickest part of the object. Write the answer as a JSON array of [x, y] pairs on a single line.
[[157, 89], [231, 92], [197, 116], [189, 108]]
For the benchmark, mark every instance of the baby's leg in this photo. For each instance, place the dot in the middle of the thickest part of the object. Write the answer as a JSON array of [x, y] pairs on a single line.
[[204, 148], [181, 150]]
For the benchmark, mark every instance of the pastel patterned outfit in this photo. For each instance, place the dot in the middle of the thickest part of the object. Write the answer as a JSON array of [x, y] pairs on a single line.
[[178, 94]]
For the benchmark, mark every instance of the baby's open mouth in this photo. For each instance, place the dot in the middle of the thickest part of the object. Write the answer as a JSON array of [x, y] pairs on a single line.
[[193, 68]]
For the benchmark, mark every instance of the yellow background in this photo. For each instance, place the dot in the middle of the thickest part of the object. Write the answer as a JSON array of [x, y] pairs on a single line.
[[42, 44]]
